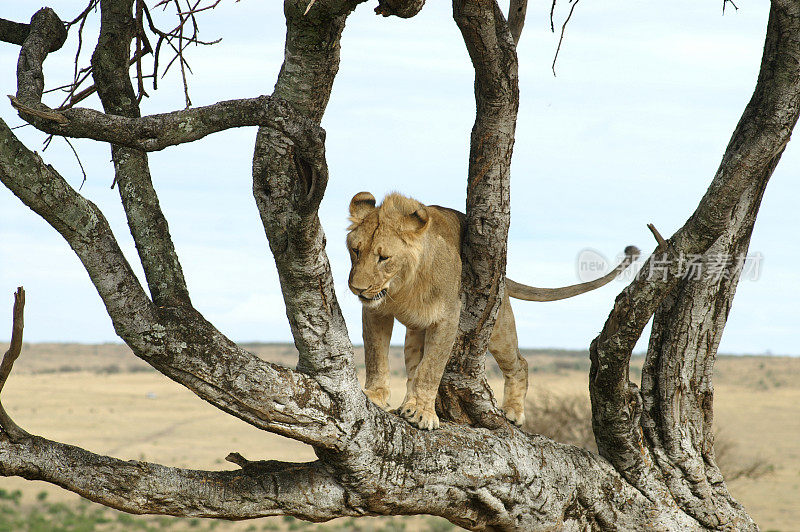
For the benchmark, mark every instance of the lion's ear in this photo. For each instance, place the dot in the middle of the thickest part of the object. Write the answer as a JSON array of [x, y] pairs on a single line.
[[417, 221], [361, 205]]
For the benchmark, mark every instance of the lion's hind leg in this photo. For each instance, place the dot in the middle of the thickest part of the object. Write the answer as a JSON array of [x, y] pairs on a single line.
[[413, 349], [504, 347]]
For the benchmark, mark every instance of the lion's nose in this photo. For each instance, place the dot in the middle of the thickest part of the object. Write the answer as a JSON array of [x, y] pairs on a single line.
[[357, 290]]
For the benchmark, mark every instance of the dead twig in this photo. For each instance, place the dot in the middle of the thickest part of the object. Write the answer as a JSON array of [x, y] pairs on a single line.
[[563, 29], [39, 113], [662, 244], [78, 159], [726, 2], [178, 38], [18, 323]]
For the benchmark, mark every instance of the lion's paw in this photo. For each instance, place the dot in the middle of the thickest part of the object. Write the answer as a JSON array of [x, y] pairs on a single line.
[[517, 417], [379, 396], [422, 418], [409, 405]]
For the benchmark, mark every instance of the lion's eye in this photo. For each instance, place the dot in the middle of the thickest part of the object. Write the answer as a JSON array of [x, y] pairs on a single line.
[[381, 258]]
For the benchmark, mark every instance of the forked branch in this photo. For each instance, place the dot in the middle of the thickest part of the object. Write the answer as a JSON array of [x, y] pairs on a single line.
[[733, 196], [177, 342], [259, 489]]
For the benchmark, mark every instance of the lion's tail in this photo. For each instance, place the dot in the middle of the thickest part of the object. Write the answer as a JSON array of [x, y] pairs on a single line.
[[532, 293]]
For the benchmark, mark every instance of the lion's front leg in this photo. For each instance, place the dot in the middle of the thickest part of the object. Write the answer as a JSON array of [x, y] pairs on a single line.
[[419, 407], [377, 332]]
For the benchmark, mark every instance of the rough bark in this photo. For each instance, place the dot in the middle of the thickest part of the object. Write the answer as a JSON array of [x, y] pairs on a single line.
[[148, 133], [657, 467], [399, 8], [465, 395], [517, 10], [14, 32]]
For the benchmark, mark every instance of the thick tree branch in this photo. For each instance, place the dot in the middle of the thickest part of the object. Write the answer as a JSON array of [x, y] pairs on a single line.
[[84, 228], [14, 32], [306, 491], [258, 489], [464, 392], [728, 207], [687, 329], [148, 133], [688, 326], [46, 34], [289, 179], [147, 223]]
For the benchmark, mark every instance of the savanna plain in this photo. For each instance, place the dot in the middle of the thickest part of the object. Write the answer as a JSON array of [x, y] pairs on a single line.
[[102, 398]]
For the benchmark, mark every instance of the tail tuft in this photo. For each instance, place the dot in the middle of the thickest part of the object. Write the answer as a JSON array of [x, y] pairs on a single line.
[[633, 252]]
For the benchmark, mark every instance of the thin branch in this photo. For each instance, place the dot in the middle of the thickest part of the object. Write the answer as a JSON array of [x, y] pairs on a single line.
[[563, 29], [84, 73], [77, 158], [84, 14], [726, 2], [196, 9], [139, 51], [75, 98], [6, 423]]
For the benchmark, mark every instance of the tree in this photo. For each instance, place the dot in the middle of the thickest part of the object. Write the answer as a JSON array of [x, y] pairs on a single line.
[[656, 467]]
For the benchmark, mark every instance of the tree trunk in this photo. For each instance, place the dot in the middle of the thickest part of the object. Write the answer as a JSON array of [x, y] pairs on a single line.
[[656, 468]]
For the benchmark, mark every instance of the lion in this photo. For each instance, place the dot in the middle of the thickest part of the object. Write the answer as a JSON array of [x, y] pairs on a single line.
[[406, 265]]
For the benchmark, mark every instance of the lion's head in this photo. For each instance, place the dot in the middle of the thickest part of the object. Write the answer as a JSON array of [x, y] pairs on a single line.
[[385, 244]]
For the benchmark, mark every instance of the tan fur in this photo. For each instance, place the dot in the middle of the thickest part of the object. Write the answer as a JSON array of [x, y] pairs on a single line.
[[406, 265]]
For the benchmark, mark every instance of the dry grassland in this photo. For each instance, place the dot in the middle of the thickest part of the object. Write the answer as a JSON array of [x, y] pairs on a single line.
[[105, 400]]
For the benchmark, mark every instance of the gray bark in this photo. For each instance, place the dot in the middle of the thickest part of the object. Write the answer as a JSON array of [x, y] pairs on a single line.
[[656, 470], [148, 133]]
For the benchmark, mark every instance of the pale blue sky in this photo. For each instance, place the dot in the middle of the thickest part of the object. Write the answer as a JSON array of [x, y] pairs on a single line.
[[630, 132]]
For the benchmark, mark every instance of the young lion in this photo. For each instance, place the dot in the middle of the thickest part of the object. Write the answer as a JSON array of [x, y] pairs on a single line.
[[406, 265]]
